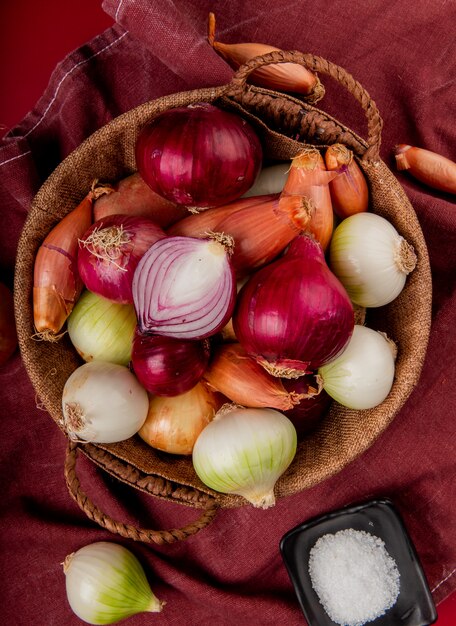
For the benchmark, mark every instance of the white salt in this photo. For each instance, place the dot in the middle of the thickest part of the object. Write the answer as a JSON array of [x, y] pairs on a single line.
[[354, 577]]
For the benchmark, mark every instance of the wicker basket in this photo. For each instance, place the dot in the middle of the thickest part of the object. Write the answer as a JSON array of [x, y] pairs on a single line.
[[108, 155]]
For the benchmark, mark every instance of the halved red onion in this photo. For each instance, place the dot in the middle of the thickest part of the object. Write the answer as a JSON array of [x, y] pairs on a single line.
[[109, 252], [185, 287], [294, 314], [166, 366], [199, 155]]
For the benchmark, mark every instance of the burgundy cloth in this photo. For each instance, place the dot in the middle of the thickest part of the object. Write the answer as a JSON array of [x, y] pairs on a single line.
[[232, 572]]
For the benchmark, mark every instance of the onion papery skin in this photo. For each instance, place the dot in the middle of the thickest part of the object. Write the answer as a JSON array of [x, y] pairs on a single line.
[[294, 315], [173, 424], [107, 269], [184, 287], [370, 259], [102, 330], [261, 232], [103, 403], [166, 366], [362, 376], [57, 284], [199, 155], [310, 411], [244, 451]]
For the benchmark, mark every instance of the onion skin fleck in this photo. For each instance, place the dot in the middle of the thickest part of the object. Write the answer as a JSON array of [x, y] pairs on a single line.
[[294, 315], [430, 168], [199, 155]]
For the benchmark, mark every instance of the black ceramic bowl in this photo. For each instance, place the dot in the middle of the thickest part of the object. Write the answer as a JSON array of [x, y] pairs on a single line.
[[414, 605]]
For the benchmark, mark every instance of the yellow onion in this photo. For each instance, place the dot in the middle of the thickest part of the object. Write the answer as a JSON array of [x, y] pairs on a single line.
[[174, 423]]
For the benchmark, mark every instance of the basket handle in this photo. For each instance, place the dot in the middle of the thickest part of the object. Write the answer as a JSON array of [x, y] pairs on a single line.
[[318, 64], [126, 530]]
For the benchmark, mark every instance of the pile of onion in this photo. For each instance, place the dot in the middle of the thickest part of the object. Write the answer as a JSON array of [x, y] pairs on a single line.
[[225, 356]]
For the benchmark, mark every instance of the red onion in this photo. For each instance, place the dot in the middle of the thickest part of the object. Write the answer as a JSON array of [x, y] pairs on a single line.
[[309, 412], [110, 251], [294, 314], [184, 287], [199, 155], [166, 366]]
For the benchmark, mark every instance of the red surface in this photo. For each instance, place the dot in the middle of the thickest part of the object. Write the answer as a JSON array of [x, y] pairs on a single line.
[[34, 37]]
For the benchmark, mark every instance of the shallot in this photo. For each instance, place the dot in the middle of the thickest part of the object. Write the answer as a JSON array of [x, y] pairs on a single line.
[[56, 281], [278, 76], [429, 167]]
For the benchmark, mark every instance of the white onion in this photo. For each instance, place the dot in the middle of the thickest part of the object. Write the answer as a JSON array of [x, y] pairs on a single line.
[[370, 259], [103, 402], [105, 583], [244, 451], [271, 179], [102, 330], [362, 376]]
